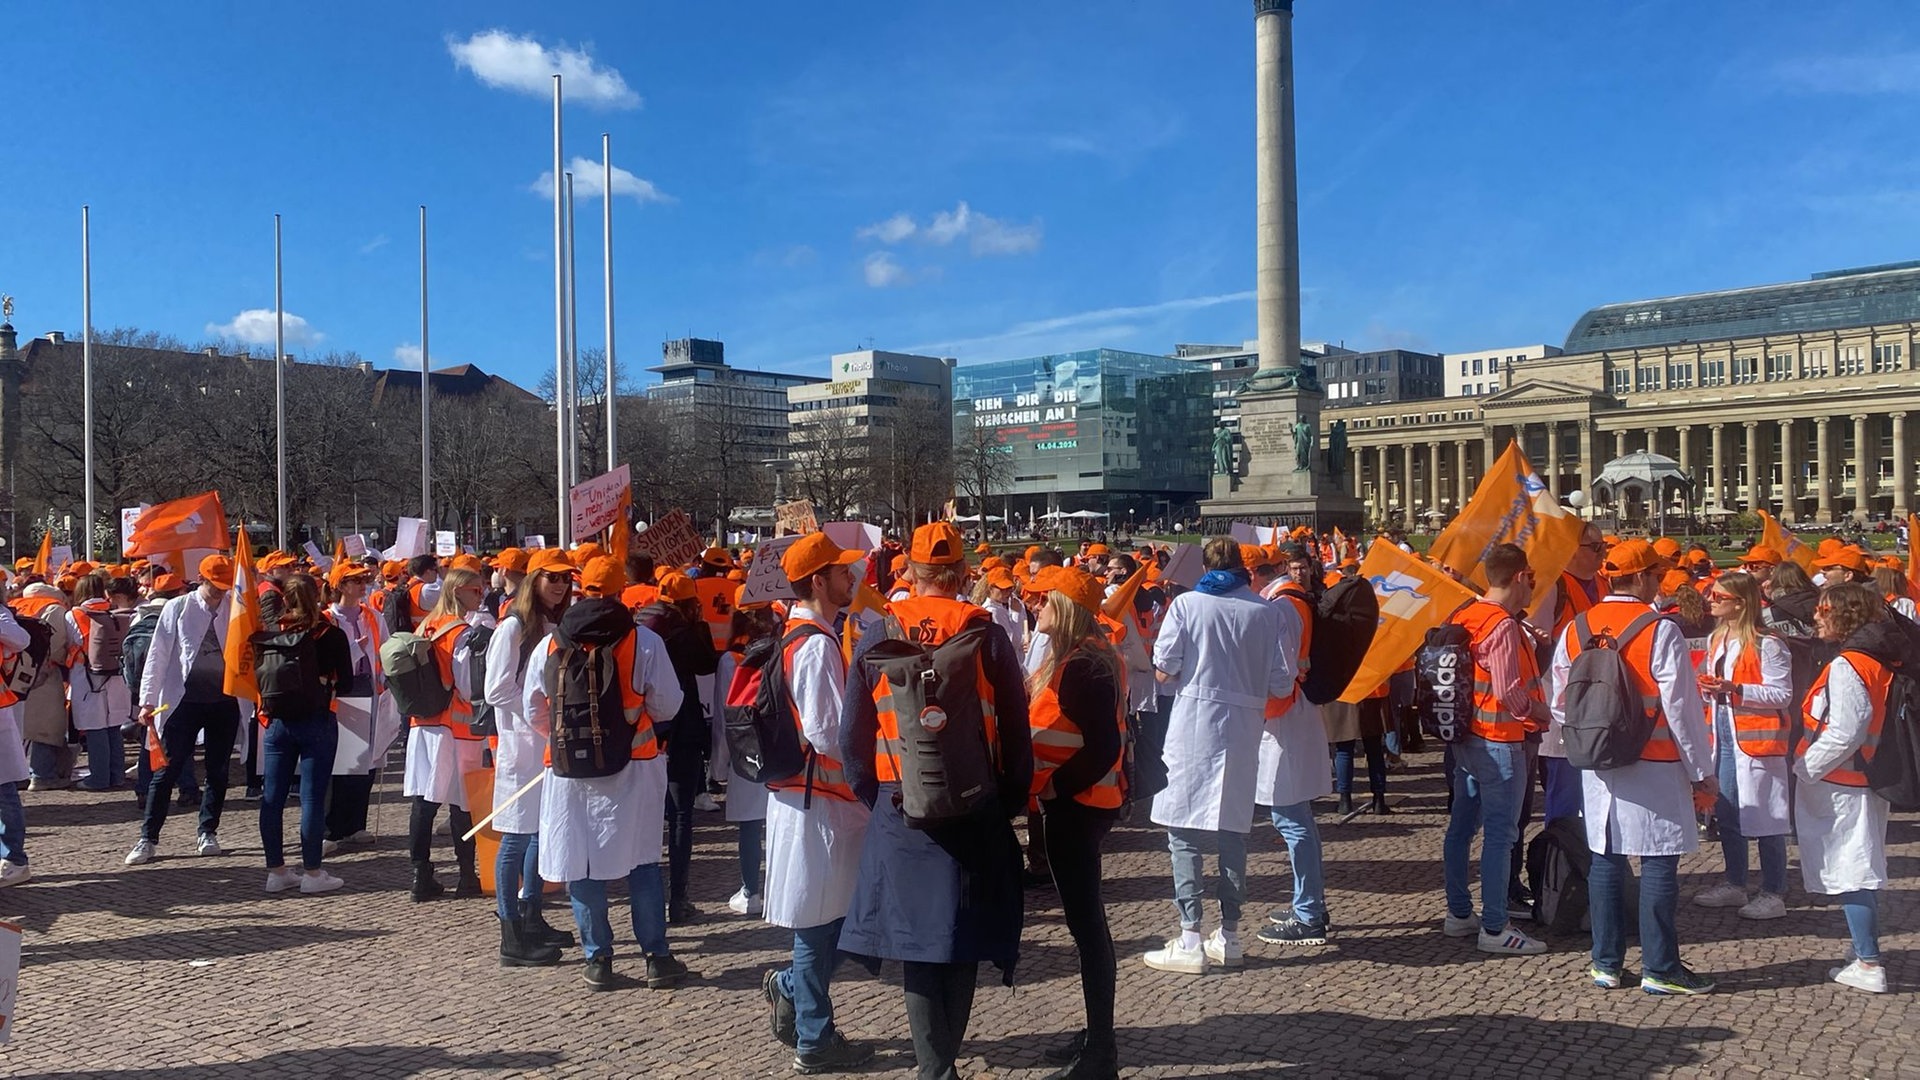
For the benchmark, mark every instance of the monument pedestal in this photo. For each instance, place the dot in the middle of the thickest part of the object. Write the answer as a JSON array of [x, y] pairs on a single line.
[[1274, 487]]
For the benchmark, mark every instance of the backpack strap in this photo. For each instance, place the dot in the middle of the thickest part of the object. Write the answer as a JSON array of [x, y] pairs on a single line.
[[1637, 625], [1582, 630]]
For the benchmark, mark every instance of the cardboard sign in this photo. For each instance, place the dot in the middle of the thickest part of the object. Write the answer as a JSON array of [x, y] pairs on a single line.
[[409, 539], [533, 543], [595, 504], [356, 545], [671, 541], [445, 543], [1184, 566], [795, 518], [9, 976], [62, 555], [324, 562], [368, 729], [766, 581], [129, 517]]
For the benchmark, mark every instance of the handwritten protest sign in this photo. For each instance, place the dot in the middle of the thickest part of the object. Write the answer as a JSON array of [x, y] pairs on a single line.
[[445, 543], [795, 518], [129, 517], [671, 540], [766, 581], [356, 544], [595, 504]]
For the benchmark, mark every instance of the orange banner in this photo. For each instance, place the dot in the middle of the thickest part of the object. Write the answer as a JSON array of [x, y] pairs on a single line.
[[1511, 506], [1414, 598], [194, 522], [1774, 536]]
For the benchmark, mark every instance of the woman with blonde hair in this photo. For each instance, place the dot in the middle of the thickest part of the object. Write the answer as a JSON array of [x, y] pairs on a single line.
[[1746, 680], [442, 749]]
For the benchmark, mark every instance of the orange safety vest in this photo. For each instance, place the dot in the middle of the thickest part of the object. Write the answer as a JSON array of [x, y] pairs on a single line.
[[717, 596], [1491, 720], [829, 775], [1759, 732], [444, 632], [1293, 594], [633, 703], [926, 621], [1057, 738], [1613, 619], [1879, 679]]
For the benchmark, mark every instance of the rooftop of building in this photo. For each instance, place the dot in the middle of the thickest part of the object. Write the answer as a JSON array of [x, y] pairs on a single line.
[[1832, 300]]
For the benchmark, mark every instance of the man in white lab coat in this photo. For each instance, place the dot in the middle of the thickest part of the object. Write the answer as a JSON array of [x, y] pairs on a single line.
[[1645, 808], [1222, 651]]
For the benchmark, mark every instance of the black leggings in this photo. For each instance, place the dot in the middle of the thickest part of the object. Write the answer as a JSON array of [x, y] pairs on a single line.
[[1074, 832], [686, 781], [939, 1003], [420, 834], [347, 804]]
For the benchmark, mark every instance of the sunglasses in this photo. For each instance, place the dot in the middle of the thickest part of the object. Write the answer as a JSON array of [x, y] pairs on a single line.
[[1721, 596], [1823, 609]]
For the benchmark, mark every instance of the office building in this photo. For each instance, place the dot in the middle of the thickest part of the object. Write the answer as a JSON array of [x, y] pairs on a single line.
[[750, 406], [1476, 374]]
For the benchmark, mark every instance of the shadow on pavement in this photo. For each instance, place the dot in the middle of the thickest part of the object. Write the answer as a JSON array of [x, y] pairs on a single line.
[[207, 943], [358, 1062]]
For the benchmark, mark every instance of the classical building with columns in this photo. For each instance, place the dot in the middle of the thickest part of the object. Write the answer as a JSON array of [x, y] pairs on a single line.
[[1792, 398]]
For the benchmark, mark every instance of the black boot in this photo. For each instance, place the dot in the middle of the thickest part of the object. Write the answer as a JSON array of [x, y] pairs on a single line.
[[679, 911], [519, 949], [1066, 1051], [1095, 1061], [1379, 805], [424, 886], [1346, 804], [468, 886], [539, 931]]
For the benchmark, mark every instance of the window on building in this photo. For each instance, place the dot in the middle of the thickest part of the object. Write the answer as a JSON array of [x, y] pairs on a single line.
[[1646, 377], [1679, 376], [1886, 358], [1476, 367], [1463, 368], [1853, 361], [1779, 366], [1746, 369], [1813, 364], [1493, 388], [1619, 380], [1713, 372]]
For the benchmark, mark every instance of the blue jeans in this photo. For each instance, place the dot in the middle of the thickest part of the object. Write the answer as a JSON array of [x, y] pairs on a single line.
[[753, 841], [1659, 897], [1295, 826], [1726, 811], [1560, 783], [1189, 874], [516, 873], [647, 899], [1862, 909], [13, 825], [1400, 687], [1343, 765], [1486, 791], [106, 759], [49, 762], [306, 748], [816, 952]]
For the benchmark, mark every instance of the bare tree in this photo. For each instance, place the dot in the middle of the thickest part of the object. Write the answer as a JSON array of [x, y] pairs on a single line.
[[831, 466], [982, 464]]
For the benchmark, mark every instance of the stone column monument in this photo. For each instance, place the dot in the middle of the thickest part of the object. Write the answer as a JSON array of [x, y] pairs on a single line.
[[1286, 475]]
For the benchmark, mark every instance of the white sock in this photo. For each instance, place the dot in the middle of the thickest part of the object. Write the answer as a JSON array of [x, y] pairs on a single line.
[[1189, 939]]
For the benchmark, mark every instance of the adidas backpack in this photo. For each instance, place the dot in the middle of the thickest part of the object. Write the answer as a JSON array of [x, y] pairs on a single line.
[[1604, 723], [1443, 680], [763, 739]]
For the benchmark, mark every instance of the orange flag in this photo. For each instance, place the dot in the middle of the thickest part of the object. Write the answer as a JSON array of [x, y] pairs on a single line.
[[1780, 540], [866, 598], [1414, 598], [1913, 563], [1511, 506], [243, 623], [621, 531], [1121, 601], [194, 522], [339, 550], [43, 562]]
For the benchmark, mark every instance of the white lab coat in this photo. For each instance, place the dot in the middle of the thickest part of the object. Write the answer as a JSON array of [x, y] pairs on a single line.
[[1842, 830], [746, 800], [1225, 656], [601, 828], [1293, 746], [1011, 617], [438, 762], [1647, 808], [1762, 797], [521, 751], [813, 854], [94, 710], [13, 747], [176, 642]]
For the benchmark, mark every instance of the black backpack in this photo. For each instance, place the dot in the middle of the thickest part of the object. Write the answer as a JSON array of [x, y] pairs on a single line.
[[1343, 624], [763, 739], [287, 669], [21, 670], [475, 639], [397, 609], [1443, 680], [948, 770], [1558, 861], [592, 734], [1605, 723]]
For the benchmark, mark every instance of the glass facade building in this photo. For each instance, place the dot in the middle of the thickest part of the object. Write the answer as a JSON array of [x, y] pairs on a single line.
[[1836, 299], [1097, 429]]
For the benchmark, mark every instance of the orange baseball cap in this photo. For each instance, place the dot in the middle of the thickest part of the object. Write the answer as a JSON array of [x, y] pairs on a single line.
[[603, 576], [813, 553], [1078, 586], [551, 561], [1847, 558], [899, 564], [511, 560], [1252, 555], [217, 570], [937, 544], [274, 560], [1674, 580], [1098, 549], [1632, 557], [677, 587], [999, 579], [468, 562], [993, 563], [716, 556], [1760, 553], [582, 554], [983, 549], [1032, 551], [346, 570], [168, 583], [1666, 547]]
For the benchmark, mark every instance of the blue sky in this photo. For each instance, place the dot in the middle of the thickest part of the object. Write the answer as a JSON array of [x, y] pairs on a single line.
[[991, 179]]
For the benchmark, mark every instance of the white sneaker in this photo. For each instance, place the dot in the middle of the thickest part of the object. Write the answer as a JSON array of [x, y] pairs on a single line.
[[1860, 976], [13, 873], [1510, 942], [1174, 958], [1724, 894], [1466, 927], [705, 802], [745, 903], [1764, 906], [209, 844], [280, 879], [329, 847], [142, 853], [363, 838], [1223, 950], [318, 881]]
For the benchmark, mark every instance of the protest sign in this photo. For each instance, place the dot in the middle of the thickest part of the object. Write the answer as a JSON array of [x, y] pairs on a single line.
[[356, 545], [445, 543], [9, 976], [595, 504], [533, 543], [324, 562], [62, 555], [855, 536], [766, 581], [795, 518], [671, 541], [129, 517], [409, 539], [1184, 566]]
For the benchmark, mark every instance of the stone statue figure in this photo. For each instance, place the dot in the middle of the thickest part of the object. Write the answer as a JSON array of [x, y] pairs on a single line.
[[6, 309], [1337, 449], [1304, 440], [1222, 451]]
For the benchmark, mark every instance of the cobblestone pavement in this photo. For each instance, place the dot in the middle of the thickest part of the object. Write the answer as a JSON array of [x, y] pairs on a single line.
[[185, 969]]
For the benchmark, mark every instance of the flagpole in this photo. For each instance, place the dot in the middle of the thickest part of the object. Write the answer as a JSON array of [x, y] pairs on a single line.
[[606, 247], [426, 389], [573, 346], [559, 334], [86, 363], [279, 398]]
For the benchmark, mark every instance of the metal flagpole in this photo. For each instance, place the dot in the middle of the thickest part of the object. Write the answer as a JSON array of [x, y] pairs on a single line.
[[573, 346], [279, 395], [86, 363], [559, 334], [606, 247], [426, 389]]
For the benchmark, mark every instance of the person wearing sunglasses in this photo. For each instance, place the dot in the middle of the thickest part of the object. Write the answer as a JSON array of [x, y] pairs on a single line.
[[1840, 822], [1747, 680]]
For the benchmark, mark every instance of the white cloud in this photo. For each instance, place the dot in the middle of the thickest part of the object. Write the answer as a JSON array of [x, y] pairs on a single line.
[[1881, 73], [1085, 327], [884, 271], [586, 184], [407, 355], [375, 244], [984, 235], [521, 64], [255, 327]]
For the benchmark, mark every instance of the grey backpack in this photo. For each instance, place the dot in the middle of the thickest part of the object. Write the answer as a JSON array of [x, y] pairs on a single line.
[[1604, 722]]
